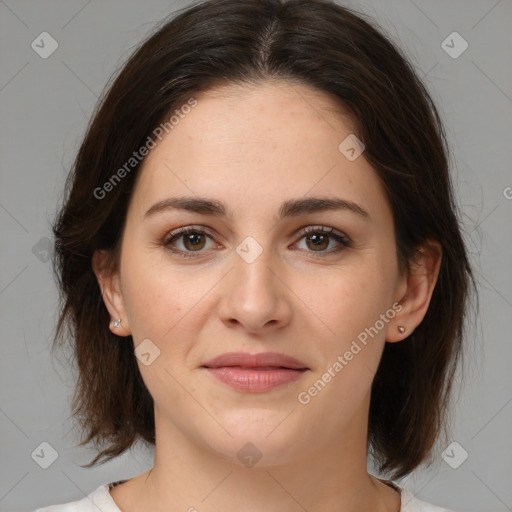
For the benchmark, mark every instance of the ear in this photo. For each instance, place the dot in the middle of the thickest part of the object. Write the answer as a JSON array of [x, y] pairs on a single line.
[[416, 291], [111, 291]]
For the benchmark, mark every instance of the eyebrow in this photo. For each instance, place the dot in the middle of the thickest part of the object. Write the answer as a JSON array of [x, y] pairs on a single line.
[[290, 208]]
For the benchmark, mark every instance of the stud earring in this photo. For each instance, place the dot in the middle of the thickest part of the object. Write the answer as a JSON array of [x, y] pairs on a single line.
[[115, 323], [401, 329]]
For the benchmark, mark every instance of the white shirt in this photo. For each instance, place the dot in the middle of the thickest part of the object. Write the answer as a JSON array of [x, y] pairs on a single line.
[[101, 500]]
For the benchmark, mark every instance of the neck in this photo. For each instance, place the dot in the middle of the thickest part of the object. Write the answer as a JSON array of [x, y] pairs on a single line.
[[188, 476]]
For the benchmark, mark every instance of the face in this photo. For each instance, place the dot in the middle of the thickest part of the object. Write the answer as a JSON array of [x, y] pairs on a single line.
[[316, 284]]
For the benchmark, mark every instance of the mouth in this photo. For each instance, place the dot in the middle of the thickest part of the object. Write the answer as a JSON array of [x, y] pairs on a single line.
[[255, 373]]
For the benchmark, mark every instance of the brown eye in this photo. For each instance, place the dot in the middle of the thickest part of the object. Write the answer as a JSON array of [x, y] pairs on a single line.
[[192, 240], [318, 241], [319, 238]]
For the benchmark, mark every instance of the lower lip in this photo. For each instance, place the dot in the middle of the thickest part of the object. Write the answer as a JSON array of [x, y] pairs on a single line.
[[255, 381]]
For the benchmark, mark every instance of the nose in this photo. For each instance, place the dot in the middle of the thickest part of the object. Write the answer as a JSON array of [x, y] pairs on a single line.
[[254, 295]]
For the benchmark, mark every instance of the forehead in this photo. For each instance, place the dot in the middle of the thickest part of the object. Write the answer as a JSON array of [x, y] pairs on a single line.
[[254, 122], [276, 110], [243, 143]]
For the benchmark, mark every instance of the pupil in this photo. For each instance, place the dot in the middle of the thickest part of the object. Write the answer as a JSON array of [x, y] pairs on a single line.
[[194, 238], [318, 240]]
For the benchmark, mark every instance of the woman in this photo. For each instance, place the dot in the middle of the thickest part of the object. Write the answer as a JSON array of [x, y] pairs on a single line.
[[262, 266]]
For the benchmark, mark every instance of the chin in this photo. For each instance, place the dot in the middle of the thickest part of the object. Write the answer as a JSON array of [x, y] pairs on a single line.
[[260, 438]]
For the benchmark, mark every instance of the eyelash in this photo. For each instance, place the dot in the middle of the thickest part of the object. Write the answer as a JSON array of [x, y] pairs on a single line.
[[174, 235]]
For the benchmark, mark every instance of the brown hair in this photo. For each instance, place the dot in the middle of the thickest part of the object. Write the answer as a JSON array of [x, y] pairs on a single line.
[[338, 52]]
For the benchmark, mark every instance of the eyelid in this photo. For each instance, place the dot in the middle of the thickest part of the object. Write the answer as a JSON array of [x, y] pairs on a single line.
[[186, 229], [328, 231], [304, 231], [340, 237]]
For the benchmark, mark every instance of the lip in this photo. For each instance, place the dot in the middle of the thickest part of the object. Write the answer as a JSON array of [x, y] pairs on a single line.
[[255, 373], [260, 360]]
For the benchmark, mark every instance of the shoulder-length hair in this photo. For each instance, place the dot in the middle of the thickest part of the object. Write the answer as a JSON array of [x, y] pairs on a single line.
[[337, 51]]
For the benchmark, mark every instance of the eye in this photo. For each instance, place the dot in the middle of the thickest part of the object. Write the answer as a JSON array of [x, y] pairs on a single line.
[[318, 238], [193, 241]]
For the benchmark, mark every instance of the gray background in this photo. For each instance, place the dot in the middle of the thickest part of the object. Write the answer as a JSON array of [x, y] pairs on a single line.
[[45, 105]]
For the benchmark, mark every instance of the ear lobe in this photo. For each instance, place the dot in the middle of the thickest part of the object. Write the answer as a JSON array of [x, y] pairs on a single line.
[[421, 281], [109, 283]]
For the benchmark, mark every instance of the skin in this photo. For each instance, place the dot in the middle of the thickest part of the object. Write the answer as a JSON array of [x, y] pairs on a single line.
[[252, 148]]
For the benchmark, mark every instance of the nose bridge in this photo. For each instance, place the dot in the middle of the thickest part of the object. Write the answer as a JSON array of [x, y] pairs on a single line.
[[254, 296], [253, 270]]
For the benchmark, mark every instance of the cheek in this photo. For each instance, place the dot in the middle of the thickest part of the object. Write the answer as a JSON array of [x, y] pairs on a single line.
[[154, 310], [165, 303], [153, 297], [352, 299], [353, 304]]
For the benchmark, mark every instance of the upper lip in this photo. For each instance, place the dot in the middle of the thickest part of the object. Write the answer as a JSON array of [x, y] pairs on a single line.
[[262, 359]]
